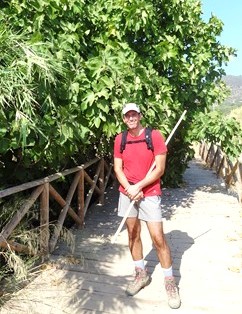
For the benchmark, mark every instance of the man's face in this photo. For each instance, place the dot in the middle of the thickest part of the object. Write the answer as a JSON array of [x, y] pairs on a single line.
[[132, 119]]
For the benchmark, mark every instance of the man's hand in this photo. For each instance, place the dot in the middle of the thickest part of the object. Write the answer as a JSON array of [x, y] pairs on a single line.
[[134, 193], [139, 196]]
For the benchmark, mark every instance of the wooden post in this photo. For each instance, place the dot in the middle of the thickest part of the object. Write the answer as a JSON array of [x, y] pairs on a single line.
[[232, 173], [240, 181], [44, 220], [90, 192], [218, 159], [208, 153], [81, 198], [214, 158], [221, 165], [101, 182], [203, 150], [109, 174], [63, 213]]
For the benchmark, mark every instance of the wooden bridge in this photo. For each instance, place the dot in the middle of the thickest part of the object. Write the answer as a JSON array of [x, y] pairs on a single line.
[[203, 228]]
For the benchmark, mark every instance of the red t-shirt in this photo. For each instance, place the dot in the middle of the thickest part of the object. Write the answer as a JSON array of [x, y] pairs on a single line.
[[138, 159]]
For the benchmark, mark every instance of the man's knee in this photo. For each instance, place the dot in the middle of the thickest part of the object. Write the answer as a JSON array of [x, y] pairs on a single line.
[[160, 242]]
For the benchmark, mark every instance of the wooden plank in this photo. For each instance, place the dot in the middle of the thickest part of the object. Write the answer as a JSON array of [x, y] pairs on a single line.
[[81, 198], [221, 165], [214, 157], [17, 247], [232, 174], [108, 175], [91, 190], [44, 220], [101, 182], [203, 150], [208, 153], [89, 294], [90, 182], [62, 202], [63, 213], [219, 161]]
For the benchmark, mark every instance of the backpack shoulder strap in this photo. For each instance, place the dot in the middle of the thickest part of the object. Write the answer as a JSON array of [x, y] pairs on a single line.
[[148, 138], [123, 141]]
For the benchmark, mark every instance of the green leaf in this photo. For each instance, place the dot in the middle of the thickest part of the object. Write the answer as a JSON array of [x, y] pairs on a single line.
[[3, 131], [97, 122], [89, 98], [4, 145]]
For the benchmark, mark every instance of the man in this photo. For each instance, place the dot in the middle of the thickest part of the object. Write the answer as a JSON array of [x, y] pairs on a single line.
[[131, 167]]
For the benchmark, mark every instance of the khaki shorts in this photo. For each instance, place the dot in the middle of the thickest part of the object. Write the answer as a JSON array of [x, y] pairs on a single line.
[[147, 209]]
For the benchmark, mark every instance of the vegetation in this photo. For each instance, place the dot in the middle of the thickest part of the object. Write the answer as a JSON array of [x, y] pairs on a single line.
[[234, 99], [227, 108], [236, 113], [68, 66], [215, 127], [18, 268]]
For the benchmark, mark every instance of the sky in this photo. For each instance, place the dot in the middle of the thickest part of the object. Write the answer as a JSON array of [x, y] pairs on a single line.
[[230, 12]]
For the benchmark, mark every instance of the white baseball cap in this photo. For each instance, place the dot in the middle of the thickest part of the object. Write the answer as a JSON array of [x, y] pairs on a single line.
[[130, 106]]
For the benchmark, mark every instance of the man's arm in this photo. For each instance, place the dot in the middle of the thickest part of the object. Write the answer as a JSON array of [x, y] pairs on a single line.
[[160, 162], [118, 169]]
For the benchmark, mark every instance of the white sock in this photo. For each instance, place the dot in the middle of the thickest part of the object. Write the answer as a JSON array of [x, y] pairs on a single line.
[[168, 272], [140, 264]]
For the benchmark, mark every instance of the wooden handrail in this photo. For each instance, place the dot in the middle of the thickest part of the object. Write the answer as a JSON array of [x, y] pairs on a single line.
[[230, 171], [58, 175], [44, 190]]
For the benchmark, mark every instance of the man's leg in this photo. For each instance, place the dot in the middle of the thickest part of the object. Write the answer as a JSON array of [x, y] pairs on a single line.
[[159, 241], [164, 256], [135, 243], [142, 278]]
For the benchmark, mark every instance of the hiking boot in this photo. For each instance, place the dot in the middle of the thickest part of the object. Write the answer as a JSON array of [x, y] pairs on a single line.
[[174, 300], [141, 280]]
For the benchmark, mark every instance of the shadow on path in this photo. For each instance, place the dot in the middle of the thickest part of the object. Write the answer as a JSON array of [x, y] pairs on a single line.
[[179, 243]]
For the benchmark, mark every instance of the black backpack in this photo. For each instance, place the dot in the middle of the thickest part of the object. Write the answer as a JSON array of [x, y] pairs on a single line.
[[147, 139]]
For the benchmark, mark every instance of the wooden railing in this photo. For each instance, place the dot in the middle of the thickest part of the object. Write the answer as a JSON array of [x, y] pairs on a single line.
[[43, 190], [230, 171]]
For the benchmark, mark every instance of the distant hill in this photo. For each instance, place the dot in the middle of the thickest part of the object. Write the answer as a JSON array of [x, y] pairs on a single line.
[[234, 83]]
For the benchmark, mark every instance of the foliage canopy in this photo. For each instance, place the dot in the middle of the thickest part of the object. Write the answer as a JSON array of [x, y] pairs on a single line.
[[68, 66]]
